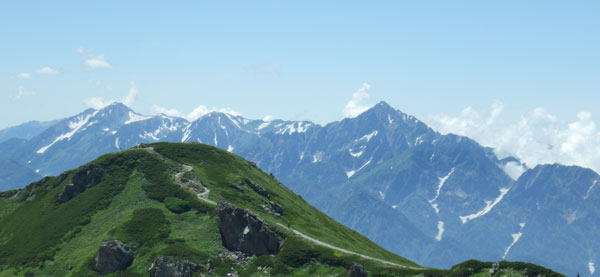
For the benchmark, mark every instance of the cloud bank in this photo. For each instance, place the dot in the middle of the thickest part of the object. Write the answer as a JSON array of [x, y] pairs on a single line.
[[22, 92], [100, 102], [358, 103], [194, 114], [538, 137], [97, 62], [23, 76], [47, 71], [92, 60]]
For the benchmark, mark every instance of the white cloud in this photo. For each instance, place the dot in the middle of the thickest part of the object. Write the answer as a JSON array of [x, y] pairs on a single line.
[[97, 62], [97, 102], [22, 92], [194, 114], [268, 118], [92, 60], [47, 70], [203, 110], [514, 170], [536, 138], [24, 76], [358, 104], [131, 95], [169, 112], [100, 102]]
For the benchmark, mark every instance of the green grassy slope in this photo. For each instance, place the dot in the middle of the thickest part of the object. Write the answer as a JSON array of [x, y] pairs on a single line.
[[139, 203]]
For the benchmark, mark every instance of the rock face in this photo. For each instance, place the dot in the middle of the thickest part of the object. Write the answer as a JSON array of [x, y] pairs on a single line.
[[164, 267], [245, 232], [113, 256], [86, 178], [257, 188], [357, 270]]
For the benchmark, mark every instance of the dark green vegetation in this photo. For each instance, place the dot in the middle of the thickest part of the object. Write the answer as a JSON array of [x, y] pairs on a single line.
[[141, 203]]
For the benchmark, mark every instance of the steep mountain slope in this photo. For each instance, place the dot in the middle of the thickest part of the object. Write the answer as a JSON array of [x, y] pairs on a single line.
[[383, 173], [552, 211], [26, 130], [12, 172], [151, 210]]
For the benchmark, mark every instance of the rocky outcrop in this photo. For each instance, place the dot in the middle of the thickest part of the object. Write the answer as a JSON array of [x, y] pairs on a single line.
[[357, 270], [165, 267], [84, 179], [113, 256], [245, 232], [272, 208], [257, 188], [236, 257]]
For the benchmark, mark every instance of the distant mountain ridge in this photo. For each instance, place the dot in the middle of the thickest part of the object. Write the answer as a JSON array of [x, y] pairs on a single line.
[[436, 199]]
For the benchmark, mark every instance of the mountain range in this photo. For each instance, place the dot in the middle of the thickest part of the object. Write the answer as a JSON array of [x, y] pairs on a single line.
[[184, 210], [435, 199]]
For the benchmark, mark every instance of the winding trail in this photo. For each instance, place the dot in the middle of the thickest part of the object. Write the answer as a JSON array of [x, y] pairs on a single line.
[[318, 242], [204, 197]]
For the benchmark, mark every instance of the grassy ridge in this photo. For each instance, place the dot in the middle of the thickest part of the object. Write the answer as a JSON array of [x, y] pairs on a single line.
[[138, 203], [221, 171]]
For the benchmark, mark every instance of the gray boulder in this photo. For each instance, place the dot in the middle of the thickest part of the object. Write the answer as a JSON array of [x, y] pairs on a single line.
[[164, 267], [85, 178], [357, 270], [113, 256], [245, 232]]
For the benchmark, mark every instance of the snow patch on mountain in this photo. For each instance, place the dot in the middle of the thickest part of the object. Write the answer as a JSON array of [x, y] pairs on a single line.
[[318, 157], [368, 137], [351, 173], [186, 134], [117, 144], [264, 125], [296, 127], [589, 190], [356, 155], [515, 238], [230, 148], [419, 140], [75, 126], [234, 121], [135, 117], [442, 181], [149, 135], [591, 267], [489, 205], [440, 233]]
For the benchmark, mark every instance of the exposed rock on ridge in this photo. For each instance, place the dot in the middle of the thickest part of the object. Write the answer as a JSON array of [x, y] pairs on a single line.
[[245, 232], [86, 178], [113, 256], [165, 267]]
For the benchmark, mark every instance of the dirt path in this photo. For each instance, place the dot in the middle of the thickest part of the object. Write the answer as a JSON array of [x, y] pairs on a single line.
[[193, 184], [204, 197], [318, 242]]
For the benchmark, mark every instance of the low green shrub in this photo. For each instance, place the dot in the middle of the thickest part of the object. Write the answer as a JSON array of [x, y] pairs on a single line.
[[146, 227]]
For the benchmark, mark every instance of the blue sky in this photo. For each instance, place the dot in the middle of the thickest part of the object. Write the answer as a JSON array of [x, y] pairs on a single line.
[[300, 60]]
